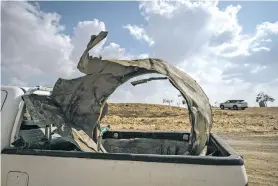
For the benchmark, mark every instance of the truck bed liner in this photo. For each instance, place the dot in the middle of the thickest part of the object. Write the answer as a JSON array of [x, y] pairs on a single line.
[[227, 156]]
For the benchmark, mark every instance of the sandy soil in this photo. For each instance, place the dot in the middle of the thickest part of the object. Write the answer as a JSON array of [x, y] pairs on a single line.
[[252, 132], [260, 153]]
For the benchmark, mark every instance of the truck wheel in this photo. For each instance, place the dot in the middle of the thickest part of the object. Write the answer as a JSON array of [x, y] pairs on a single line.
[[242, 108], [222, 107], [235, 107]]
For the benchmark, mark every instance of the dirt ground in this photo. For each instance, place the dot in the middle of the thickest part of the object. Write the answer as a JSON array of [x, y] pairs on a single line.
[[252, 132]]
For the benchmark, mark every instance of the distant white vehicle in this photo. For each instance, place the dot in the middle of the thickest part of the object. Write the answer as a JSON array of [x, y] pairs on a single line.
[[234, 104]]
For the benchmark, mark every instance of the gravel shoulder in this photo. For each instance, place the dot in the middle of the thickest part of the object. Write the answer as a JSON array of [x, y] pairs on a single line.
[[260, 153]]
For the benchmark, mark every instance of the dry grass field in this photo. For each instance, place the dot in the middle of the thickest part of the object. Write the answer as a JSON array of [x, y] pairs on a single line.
[[252, 132]]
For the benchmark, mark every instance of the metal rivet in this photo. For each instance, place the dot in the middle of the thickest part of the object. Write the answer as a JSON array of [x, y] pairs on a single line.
[[185, 137], [115, 135]]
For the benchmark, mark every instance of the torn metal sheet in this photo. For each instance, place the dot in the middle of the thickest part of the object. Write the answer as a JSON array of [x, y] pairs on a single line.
[[45, 111], [116, 72], [141, 81], [75, 104]]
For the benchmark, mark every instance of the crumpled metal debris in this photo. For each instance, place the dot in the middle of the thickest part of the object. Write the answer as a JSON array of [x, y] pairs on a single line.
[[74, 106], [134, 83]]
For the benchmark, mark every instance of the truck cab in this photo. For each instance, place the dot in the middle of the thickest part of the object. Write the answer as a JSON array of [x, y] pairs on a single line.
[[33, 155]]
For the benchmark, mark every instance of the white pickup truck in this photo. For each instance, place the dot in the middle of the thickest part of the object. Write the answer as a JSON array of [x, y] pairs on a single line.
[[53, 137], [132, 158]]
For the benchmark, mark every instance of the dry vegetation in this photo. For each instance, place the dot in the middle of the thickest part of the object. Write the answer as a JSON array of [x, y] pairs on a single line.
[[252, 132], [166, 118]]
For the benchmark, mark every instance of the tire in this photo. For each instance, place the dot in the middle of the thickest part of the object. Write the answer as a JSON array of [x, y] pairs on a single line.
[[235, 107], [242, 108], [222, 107]]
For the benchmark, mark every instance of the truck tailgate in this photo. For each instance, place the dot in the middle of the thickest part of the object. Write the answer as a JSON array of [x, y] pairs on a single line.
[[50, 168]]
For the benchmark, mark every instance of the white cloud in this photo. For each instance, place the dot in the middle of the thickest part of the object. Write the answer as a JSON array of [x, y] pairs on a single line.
[[36, 51], [139, 33], [151, 92], [208, 44], [32, 43], [262, 55], [143, 56], [82, 34], [199, 38], [113, 50], [16, 82]]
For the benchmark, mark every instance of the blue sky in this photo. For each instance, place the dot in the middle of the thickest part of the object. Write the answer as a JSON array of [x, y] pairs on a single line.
[[116, 14], [254, 12], [232, 53]]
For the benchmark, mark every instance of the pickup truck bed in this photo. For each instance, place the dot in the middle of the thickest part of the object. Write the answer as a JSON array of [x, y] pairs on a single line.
[[163, 143], [133, 158]]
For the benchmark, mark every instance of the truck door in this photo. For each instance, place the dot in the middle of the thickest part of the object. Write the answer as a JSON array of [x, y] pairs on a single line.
[[16, 178]]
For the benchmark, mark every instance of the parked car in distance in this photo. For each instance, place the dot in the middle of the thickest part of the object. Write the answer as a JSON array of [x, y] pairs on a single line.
[[234, 104]]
